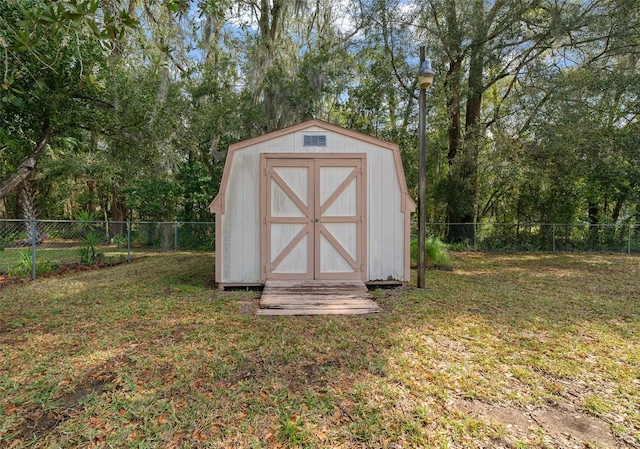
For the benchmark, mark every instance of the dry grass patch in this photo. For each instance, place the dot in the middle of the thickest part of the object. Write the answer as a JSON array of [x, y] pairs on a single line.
[[148, 355]]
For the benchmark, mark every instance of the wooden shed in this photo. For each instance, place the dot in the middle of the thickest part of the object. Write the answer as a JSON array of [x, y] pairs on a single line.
[[312, 201]]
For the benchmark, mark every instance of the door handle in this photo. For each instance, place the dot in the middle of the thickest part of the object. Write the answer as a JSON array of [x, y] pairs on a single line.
[[315, 220]]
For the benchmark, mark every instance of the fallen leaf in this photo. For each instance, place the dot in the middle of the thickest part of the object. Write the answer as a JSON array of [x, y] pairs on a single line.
[[132, 436]]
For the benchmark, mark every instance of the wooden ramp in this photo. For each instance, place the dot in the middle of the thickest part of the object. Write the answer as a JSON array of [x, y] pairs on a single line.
[[316, 298]]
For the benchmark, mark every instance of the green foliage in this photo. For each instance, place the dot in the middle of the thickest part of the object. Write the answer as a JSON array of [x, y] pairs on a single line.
[[436, 252], [87, 252], [120, 240], [144, 102], [198, 189], [24, 266], [52, 60], [86, 218], [197, 237], [154, 199]]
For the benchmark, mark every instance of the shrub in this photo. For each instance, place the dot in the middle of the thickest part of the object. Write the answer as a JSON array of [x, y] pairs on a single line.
[[87, 252], [23, 267], [120, 240], [435, 251]]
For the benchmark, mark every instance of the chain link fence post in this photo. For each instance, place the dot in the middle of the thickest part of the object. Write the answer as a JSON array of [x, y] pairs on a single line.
[[475, 236], [33, 249], [175, 236], [553, 227], [629, 240], [128, 241]]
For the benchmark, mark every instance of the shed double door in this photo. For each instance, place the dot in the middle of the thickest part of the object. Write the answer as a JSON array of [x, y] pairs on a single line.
[[313, 211]]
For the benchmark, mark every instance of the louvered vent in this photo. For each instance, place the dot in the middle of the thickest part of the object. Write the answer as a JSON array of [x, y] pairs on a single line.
[[315, 141]]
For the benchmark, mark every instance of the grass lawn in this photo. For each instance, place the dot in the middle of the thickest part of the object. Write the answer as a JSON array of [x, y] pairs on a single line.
[[507, 350]]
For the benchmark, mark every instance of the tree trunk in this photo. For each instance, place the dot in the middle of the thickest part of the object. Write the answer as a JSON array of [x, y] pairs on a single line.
[[28, 165], [466, 170], [459, 170], [117, 213], [27, 207], [452, 86], [617, 207], [594, 212], [270, 24]]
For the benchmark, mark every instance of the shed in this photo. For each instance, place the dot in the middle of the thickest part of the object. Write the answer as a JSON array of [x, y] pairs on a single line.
[[312, 201]]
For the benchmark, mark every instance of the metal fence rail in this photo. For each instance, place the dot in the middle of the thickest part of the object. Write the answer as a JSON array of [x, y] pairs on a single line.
[[32, 247]]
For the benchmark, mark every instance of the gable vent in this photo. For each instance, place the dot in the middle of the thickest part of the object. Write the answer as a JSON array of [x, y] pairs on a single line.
[[315, 141]]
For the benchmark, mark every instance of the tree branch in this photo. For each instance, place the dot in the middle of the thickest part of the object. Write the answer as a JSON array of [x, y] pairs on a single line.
[[95, 100], [27, 166], [408, 89]]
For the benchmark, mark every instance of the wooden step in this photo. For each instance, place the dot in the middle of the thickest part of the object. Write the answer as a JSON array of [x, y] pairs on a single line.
[[316, 298]]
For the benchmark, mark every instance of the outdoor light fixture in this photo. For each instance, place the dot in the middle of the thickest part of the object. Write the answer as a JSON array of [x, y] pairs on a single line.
[[425, 75], [425, 80]]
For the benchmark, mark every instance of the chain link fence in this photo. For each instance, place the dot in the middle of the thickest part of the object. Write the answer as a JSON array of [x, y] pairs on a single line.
[[31, 248], [616, 238]]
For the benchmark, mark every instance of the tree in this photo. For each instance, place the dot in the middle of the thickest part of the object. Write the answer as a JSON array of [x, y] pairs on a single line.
[[533, 115], [52, 64]]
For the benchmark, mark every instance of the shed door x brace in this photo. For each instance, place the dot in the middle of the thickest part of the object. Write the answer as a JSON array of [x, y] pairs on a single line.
[[314, 210]]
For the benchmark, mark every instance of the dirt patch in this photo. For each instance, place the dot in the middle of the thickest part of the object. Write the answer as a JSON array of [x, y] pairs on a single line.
[[135, 325], [563, 425], [298, 376], [575, 424], [96, 381], [168, 291], [247, 307], [389, 298], [76, 267], [397, 292], [304, 376], [64, 269], [5, 328], [177, 334], [37, 421], [6, 280], [510, 417]]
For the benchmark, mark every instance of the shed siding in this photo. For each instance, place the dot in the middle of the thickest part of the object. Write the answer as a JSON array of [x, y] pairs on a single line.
[[386, 221], [242, 228], [241, 220]]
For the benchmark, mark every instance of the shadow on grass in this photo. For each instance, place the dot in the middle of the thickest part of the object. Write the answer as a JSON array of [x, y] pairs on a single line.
[[524, 289], [500, 327]]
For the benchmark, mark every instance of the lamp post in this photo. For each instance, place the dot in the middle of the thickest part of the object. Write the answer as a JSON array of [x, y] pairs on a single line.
[[425, 80]]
